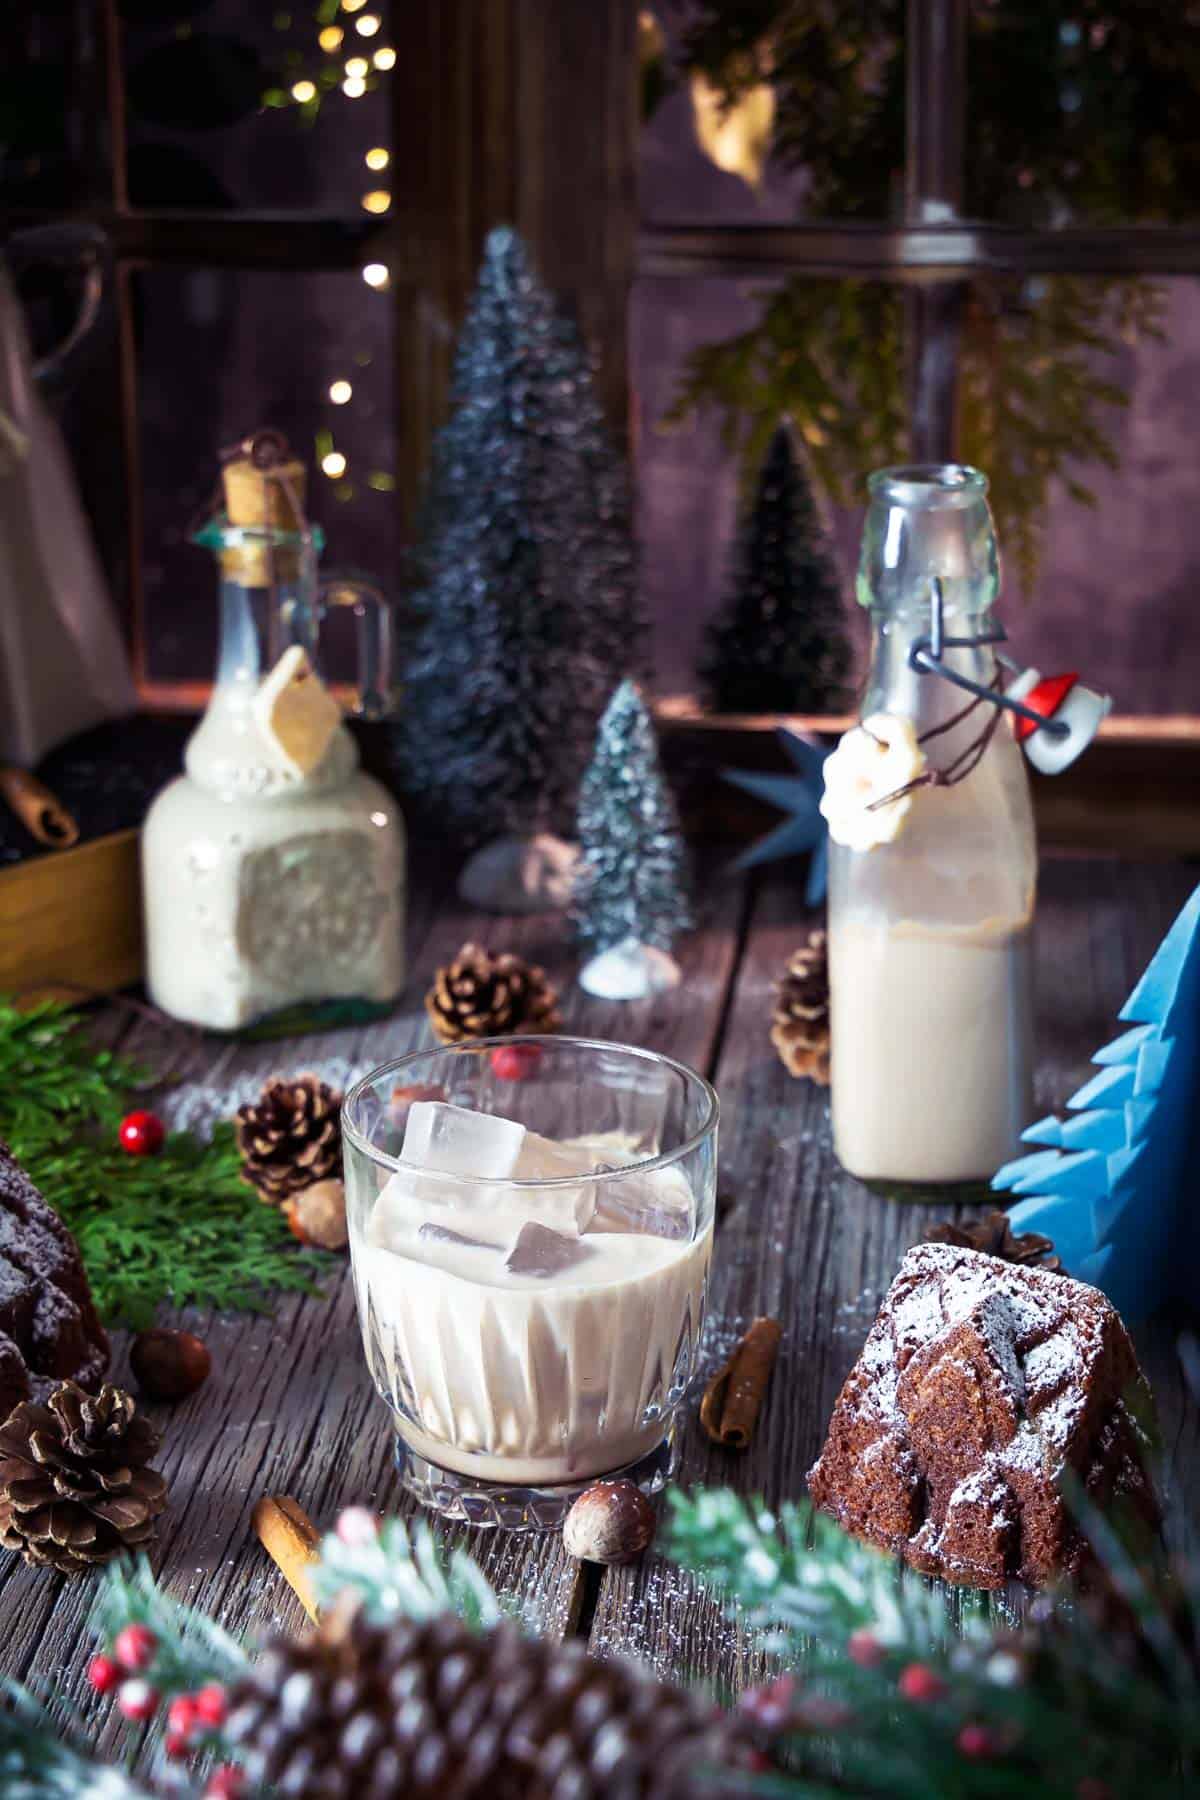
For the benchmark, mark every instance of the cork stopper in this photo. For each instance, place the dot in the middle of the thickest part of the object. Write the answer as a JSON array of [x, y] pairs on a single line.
[[264, 497], [264, 488]]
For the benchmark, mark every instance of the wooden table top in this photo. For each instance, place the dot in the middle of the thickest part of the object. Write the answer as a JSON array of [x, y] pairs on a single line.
[[289, 1408]]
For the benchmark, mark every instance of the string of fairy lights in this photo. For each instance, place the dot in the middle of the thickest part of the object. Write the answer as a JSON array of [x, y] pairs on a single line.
[[351, 61]]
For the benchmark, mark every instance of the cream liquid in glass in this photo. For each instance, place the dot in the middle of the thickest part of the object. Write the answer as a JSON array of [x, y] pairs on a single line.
[[532, 1378]]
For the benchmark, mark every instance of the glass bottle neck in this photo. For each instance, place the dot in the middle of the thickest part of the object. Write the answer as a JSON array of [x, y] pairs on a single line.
[[895, 685]]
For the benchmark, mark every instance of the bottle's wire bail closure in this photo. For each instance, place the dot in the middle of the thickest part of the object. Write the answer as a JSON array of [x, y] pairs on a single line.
[[926, 657]]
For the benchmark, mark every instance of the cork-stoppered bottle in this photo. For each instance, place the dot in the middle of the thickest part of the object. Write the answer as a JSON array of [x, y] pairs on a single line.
[[267, 880]]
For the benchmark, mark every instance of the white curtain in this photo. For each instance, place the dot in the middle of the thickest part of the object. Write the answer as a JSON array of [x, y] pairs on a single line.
[[63, 666]]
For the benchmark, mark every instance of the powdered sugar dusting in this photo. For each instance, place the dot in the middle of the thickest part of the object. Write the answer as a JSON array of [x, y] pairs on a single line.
[[973, 1361]]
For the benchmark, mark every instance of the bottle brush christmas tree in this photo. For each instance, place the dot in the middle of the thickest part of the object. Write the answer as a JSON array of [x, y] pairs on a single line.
[[528, 602], [633, 899], [779, 643]]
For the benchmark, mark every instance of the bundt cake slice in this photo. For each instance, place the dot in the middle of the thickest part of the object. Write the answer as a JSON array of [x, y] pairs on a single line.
[[49, 1328], [980, 1384]]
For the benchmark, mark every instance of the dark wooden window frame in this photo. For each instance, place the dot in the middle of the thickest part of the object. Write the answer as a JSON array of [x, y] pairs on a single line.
[[484, 97]]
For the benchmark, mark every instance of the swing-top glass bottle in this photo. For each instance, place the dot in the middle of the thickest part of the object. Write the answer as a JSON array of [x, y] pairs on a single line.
[[930, 934]]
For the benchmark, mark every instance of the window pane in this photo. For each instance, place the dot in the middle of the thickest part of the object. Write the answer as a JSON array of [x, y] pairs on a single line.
[[818, 130], [691, 479], [220, 355], [1083, 115], [267, 106], [1115, 592], [40, 161], [1075, 396]]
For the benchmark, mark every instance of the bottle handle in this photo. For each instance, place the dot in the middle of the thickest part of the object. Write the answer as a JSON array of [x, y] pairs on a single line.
[[373, 639]]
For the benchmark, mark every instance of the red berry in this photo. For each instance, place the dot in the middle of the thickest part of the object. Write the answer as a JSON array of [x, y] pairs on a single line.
[[1092, 1788], [226, 1783], [977, 1742], [136, 1699], [211, 1704], [177, 1746], [134, 1647], [182, 1715], [103, 1674], [921, 1683], [864, 1648], [773, 1704], [515, 1062], [142, 1133]]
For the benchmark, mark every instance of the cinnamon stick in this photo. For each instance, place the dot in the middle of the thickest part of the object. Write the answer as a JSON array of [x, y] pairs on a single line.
[[730, 1407], [42, 814], [292, 1541]]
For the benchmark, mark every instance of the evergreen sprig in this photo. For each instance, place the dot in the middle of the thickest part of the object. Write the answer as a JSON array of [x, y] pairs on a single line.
[[1045, 1711], [1068, 1708], [36, 1765], [191, 1650], [148, 1228], [405, 1573]]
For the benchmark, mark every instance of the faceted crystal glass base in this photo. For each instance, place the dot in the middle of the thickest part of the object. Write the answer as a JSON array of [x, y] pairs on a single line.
[[515, 1508]]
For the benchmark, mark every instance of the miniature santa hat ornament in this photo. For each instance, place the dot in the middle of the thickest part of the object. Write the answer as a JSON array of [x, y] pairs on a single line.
[[1064, 699]]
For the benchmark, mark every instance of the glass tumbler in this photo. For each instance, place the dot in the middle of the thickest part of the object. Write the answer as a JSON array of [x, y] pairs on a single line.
[[532, 1324]]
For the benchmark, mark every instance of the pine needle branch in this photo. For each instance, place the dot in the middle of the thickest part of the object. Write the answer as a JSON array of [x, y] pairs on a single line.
[[1065, 1702], [191, 1649], [405, 1574], [36, 1765]]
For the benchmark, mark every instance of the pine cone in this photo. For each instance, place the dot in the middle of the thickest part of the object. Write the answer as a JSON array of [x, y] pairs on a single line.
[[993, 1234], [75, 1489], [432, 1708], [800, 1022], [290, 1137], [479, 995]]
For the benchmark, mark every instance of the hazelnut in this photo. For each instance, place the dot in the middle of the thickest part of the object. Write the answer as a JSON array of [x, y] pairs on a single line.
[[611, 1522], [317, 1214], [169, 1365]]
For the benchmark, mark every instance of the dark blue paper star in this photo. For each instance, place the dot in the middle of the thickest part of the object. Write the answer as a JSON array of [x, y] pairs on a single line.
[[799, 796]]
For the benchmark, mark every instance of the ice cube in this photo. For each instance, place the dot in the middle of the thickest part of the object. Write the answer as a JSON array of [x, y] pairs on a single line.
[[655, 1205], [537, 1250], [442, 1234], [566, 1209], [403, 1098], [398, 1211], [454, 1140]]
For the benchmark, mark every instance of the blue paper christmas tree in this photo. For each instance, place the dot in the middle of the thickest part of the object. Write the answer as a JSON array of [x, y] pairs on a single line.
[[1115, 1190]]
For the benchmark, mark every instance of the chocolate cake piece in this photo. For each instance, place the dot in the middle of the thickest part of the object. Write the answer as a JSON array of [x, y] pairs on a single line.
[[981, 1382], [49, 1327]]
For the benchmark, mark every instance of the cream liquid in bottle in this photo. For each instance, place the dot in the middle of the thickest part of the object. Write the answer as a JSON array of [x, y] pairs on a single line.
[[930, 934], [265, 882]]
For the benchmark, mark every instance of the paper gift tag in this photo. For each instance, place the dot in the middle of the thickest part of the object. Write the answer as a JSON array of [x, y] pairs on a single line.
[[296, 712]]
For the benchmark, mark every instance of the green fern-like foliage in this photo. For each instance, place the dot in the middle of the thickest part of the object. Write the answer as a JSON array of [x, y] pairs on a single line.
[[152, 1228]]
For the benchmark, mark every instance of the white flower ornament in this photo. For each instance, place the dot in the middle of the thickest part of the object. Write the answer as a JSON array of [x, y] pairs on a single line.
[[874, 760]]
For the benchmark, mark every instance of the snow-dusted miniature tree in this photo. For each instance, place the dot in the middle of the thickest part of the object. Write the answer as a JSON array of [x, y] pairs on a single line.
[[633, 900]]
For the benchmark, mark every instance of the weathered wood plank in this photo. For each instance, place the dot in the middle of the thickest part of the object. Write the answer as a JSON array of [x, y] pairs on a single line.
[[814, 1248], [289, 1407]]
